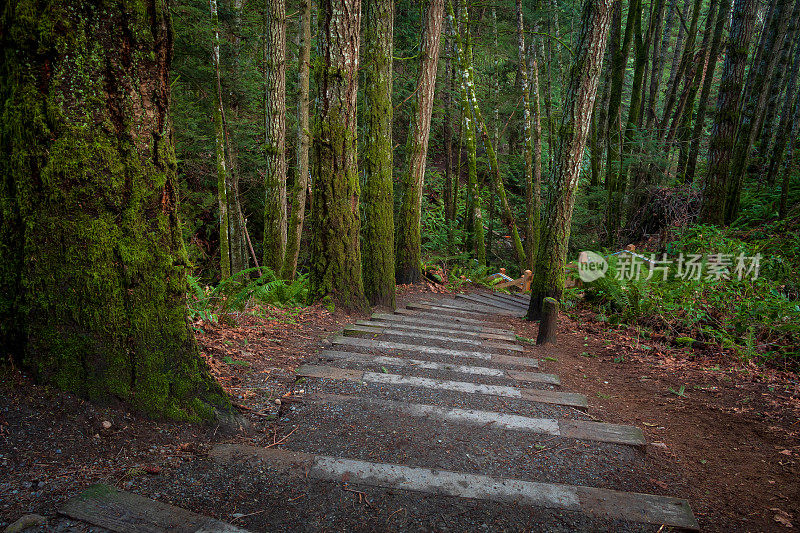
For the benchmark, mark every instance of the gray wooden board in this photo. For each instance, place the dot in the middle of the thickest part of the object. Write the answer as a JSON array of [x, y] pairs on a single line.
[[502, 301], [437, 321], [575, 429], [123, 512], [603, 503], [375, 329], [371, 344], [436, 315], [522, 300], [505, 306], [533, 395], [468, 308], [381, 323], [532, 377]]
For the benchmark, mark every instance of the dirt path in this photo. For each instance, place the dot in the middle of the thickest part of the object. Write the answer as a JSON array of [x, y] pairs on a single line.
[[436, 417]]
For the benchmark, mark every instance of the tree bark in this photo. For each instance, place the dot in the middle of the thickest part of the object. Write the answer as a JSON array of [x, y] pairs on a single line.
[[409, 254], [275, 177], [92, 262], [785, 124], [705, 94], [219, 146], [727, 115], [377, 246], [335, 273], [755, 99], [295, 227], [590, 43]]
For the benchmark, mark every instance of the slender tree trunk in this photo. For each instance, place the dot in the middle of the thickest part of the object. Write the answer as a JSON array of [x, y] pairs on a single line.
[[705, 94], [681, 66], [727, 114], [659, 50], [92, 262], [755, 100], [335, 250], [619, 62], [275, 182], [222, 170], [548, 278], [409, 253], [507, 215], [786, 122], [793, 147], [531, 147], [677, 51], [447, 132], [295, 228], [377, 246]]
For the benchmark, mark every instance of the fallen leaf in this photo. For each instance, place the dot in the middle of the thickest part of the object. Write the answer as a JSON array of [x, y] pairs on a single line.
[[786, 452]]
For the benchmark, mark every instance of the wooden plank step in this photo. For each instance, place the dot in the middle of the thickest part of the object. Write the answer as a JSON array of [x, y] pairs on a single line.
[[591, 501], [123, 512], [371, 344], [379, 322], [468, 308], [485, 300], [531, 377], [376, 329], [575, 429], [521, 300], [532, 395], [437, 315], [494, 297]]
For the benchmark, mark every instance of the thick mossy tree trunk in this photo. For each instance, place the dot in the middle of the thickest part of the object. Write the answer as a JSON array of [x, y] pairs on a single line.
[[377, 245], [92, 263], [723, 132], [590, 43], [298, 199], [275, 177], [409, 254], [335, 250]]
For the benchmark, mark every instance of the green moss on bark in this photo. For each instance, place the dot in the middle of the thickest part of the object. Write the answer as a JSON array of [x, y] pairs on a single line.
[[92, 265]]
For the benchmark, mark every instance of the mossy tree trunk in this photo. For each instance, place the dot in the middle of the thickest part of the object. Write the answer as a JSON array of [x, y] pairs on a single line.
[[723, 132], [295, 227], [92, 263], [335, 251], [377, 245], [590, 42], [785, 125], [275, 177], [409, 254]]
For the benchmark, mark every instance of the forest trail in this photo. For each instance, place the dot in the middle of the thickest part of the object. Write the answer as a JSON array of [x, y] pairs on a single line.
[[433, 417]]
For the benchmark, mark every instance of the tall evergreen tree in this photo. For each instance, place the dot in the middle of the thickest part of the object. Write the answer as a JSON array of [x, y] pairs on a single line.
[[377, 247], [222, 165], [275, 176], [590, 43], [92, 262], [409, 254], [335, 250]]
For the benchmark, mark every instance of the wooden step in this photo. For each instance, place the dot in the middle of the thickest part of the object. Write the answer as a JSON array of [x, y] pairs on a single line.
[[591, 501], [376, 329], [483, 300], [378, 322], [370, 344], [533, 395], [123, 512], [532, 377], [436, 315], [410, 317]]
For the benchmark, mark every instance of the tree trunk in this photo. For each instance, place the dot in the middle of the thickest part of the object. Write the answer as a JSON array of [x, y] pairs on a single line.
[[377, 246], [727, 116], [794, 147], [548, 278], [786, 123], [295, 228], [447, 132], [222, 170], [705, 94], [755, 101], [659, 50], [619, 62], [275, 177], [409, 253], [92, 262], [531, 148], [335, 252]]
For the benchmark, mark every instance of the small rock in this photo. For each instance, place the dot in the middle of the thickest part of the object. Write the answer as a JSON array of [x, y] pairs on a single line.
[[29, 520], [660, 445], [106, 424], [278, 401]]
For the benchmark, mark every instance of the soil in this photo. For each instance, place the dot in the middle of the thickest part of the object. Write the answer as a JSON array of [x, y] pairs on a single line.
[[722, 434]]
